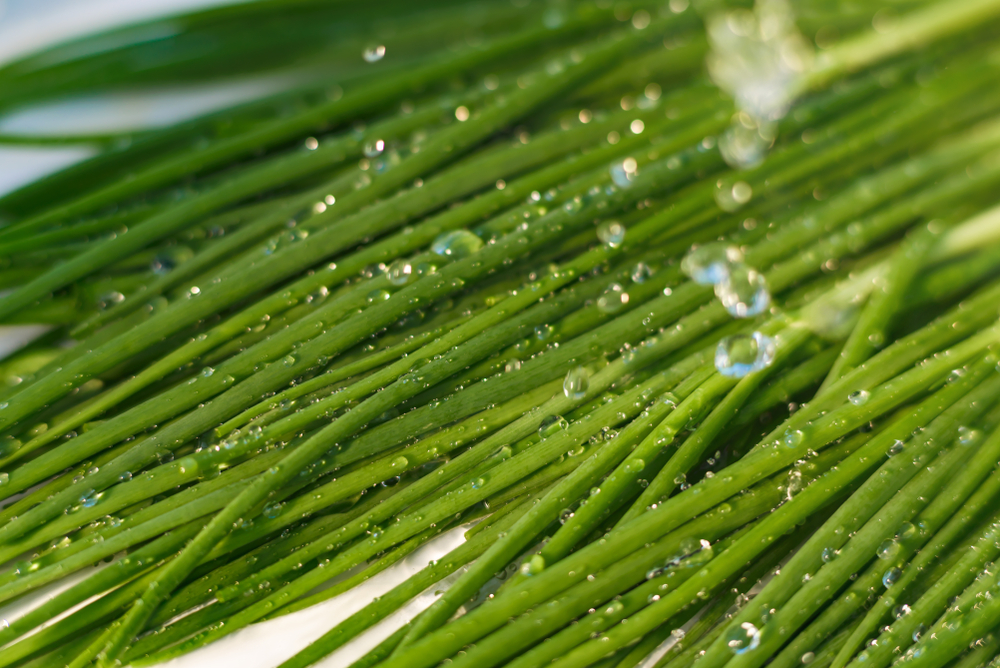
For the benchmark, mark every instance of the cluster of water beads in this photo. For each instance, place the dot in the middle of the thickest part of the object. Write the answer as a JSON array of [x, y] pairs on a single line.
[[741, 354], [742, 290], [745, 142]]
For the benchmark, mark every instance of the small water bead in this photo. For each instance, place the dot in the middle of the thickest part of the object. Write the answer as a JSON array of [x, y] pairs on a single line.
[[611, 233], [534, 565], [373, 53], [379, 295], [829, 554], [576, 383], [743, 292], [4, 478], [918, 632], [709, 264], [457, 244], [732, 196], [891, 576], [373, 148], [859, 397], [623, 173], [272, 510], [896, 448], [901, 611], [641, 273], [544, 332], [612, 299], [551, 425], [808, 658], [512, 365], [741, 354], [744, 638]]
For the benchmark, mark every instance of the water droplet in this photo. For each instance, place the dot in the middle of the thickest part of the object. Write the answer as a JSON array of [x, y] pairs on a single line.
[[808, 658], [612, 299], [623, 173], [918, 632], [457, 244], [641, 273], [4, 478], [896, 448], [859, 397], [611, 233], [968, 436], [512, 365], [888, 549], [793, 438], [379, 295], [741, 354], [731, 196], [272, 510], [551, 425], [710, 264], [576, 383], [891, 576], [743, 292], [400, 272], [373, 53], [533, 565], [746, 141], [829, 554], [743, 638], [373, 148]]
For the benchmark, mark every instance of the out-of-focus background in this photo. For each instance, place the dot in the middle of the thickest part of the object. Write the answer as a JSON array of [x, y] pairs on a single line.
[[25, 27]]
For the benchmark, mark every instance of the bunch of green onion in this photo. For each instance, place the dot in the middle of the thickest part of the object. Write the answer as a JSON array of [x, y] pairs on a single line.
[[685, 313]]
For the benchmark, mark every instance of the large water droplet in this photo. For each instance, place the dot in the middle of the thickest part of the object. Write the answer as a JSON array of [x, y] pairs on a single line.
[[743, 292], [859, 398], [576, 383], [400, 272], [743, 638], [741, 354], [709, 264], [457, 244], [731, 196]]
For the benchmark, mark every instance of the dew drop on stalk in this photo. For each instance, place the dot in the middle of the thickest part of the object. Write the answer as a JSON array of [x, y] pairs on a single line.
[[743, 638], [576, 383], [896, 448], [741, 354], [400, 272], [379, 295], [552, 425], [373, 148], [612, 299], [611, 233], [641, 273], [533, 565], [888, 549], [512, 365], [623, 173], [859, 397], [743, 292], [890, 576], [731, 196], [373, 53], [808, 658], [829, 554], [456, 244], [793, 438], [709, 264], [4, 478]]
